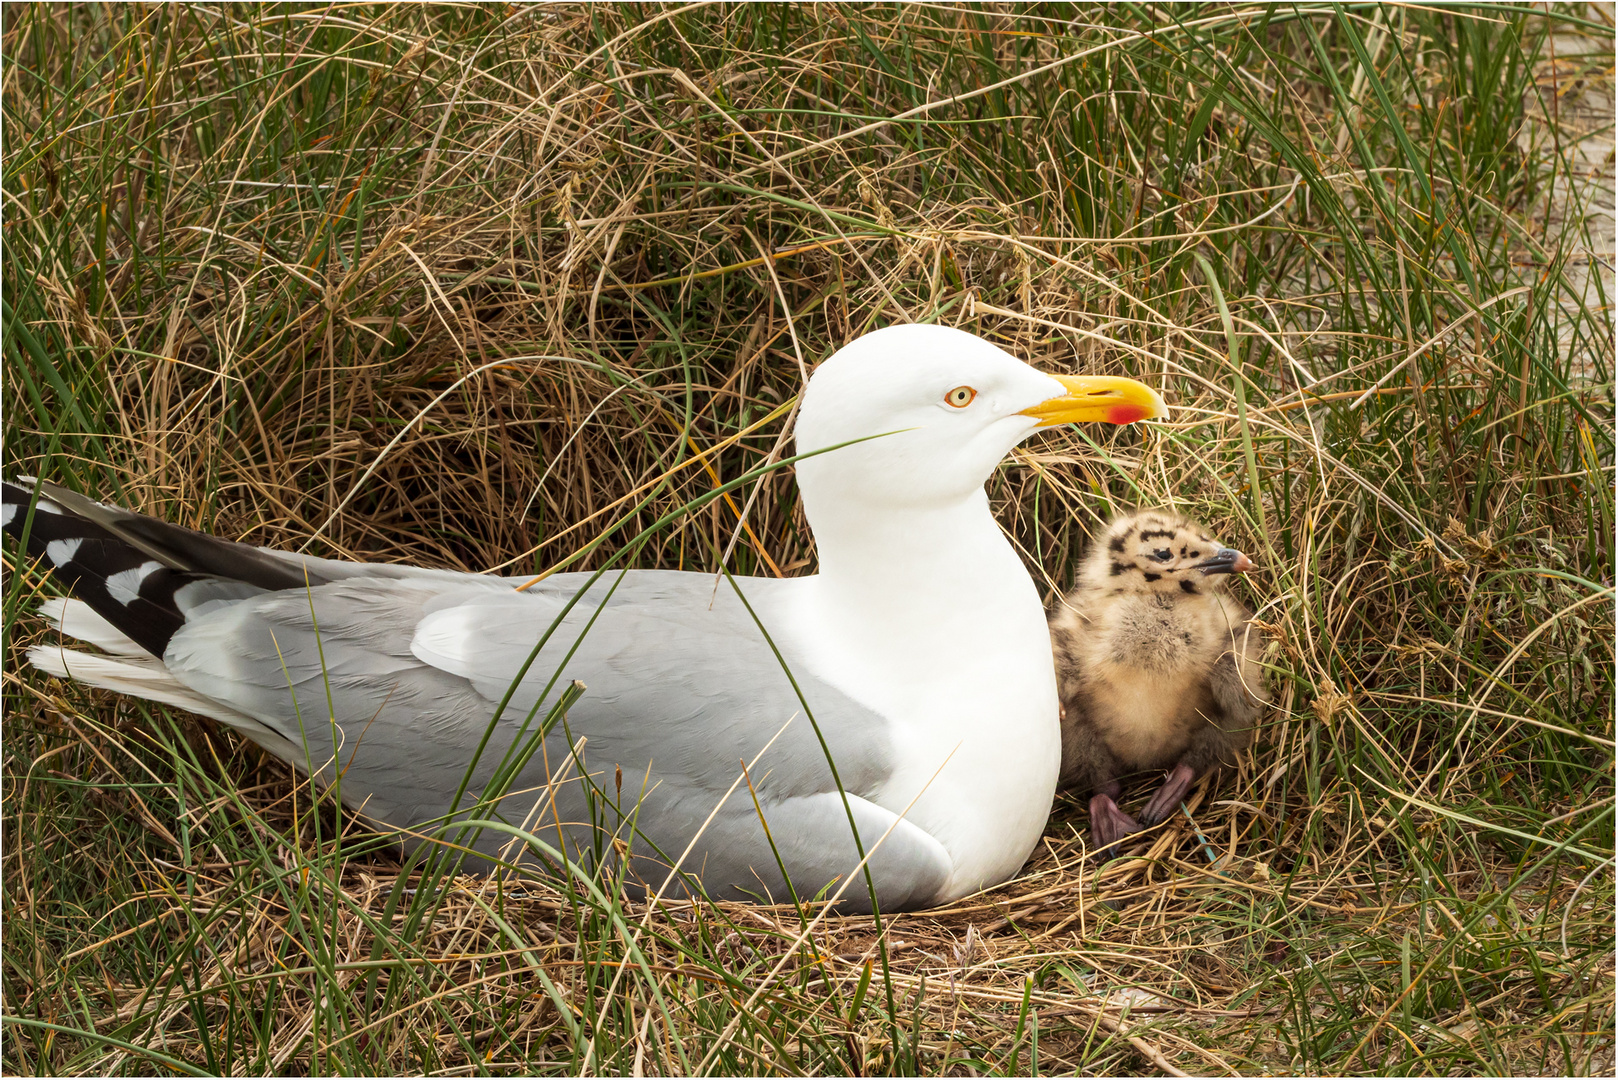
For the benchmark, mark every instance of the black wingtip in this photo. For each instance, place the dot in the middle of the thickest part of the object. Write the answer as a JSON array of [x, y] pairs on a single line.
[[135, 594]]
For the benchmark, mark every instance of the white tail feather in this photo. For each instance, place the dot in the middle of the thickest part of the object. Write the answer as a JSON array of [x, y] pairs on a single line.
[[147, 678], [78, 620]]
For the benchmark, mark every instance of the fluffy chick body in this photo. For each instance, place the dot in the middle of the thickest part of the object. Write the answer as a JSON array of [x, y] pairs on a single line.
[[1156, 666]]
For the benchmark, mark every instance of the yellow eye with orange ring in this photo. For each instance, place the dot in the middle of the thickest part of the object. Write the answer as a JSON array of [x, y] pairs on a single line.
[[960, 397]]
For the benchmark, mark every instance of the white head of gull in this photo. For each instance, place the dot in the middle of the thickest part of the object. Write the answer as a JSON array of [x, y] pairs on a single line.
[[917, 659]]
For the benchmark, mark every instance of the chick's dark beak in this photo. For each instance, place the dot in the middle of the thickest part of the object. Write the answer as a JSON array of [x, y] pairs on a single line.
[[1226, 561]]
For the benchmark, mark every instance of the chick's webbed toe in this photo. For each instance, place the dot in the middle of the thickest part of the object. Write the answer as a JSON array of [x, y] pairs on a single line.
[[1108, 823], [1170, 795]]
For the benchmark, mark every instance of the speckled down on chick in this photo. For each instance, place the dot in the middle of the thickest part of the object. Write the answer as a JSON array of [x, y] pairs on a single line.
[[1156, 666]]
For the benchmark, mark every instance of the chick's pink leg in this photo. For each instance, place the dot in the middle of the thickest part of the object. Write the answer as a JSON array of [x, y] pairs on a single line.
[[1108, 824], [1170, 795]]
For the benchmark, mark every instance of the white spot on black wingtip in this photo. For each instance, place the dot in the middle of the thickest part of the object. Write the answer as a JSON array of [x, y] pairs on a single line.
[[124, 586], [8, 511], [41, 503], [61, 552]]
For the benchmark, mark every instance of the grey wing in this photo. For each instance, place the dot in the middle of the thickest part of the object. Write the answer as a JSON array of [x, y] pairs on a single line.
[[679, 695]]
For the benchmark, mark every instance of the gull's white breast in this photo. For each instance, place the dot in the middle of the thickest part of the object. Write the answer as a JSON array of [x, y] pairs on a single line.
[[965, 680]]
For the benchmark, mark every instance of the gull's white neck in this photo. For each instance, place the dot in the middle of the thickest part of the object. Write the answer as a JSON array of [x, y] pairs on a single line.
[[925, 568], [926, 615]]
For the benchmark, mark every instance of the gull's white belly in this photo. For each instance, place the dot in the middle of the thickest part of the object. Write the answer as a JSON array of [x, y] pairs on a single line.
[[981, 770], [972, 708]]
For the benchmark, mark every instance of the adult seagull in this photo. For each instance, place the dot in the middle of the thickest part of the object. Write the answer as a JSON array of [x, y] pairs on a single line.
[[917, 660]]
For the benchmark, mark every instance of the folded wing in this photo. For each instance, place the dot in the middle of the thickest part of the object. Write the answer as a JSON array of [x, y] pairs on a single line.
[[395, 682]]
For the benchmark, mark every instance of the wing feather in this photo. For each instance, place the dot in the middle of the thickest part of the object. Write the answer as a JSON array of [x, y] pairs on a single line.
[[398, 678]]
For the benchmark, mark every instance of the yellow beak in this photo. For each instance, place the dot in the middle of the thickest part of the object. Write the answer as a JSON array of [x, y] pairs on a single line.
[[1101, 398]]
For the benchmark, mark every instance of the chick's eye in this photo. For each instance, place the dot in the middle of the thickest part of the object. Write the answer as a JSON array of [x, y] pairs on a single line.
[[1162, 554], [960, 397]]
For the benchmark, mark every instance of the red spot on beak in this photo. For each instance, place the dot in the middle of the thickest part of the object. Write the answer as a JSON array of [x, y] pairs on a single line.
[[1243, 565], [1126, 414]]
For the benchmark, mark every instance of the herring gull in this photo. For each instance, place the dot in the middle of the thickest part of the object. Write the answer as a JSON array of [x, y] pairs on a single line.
[[905, 691]]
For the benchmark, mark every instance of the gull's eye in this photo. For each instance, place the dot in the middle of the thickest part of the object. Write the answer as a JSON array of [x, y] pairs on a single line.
[[960, 397], [1162, 554]]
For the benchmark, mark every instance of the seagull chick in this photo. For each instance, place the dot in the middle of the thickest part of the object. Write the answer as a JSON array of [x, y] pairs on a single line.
[[1155, 666]]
